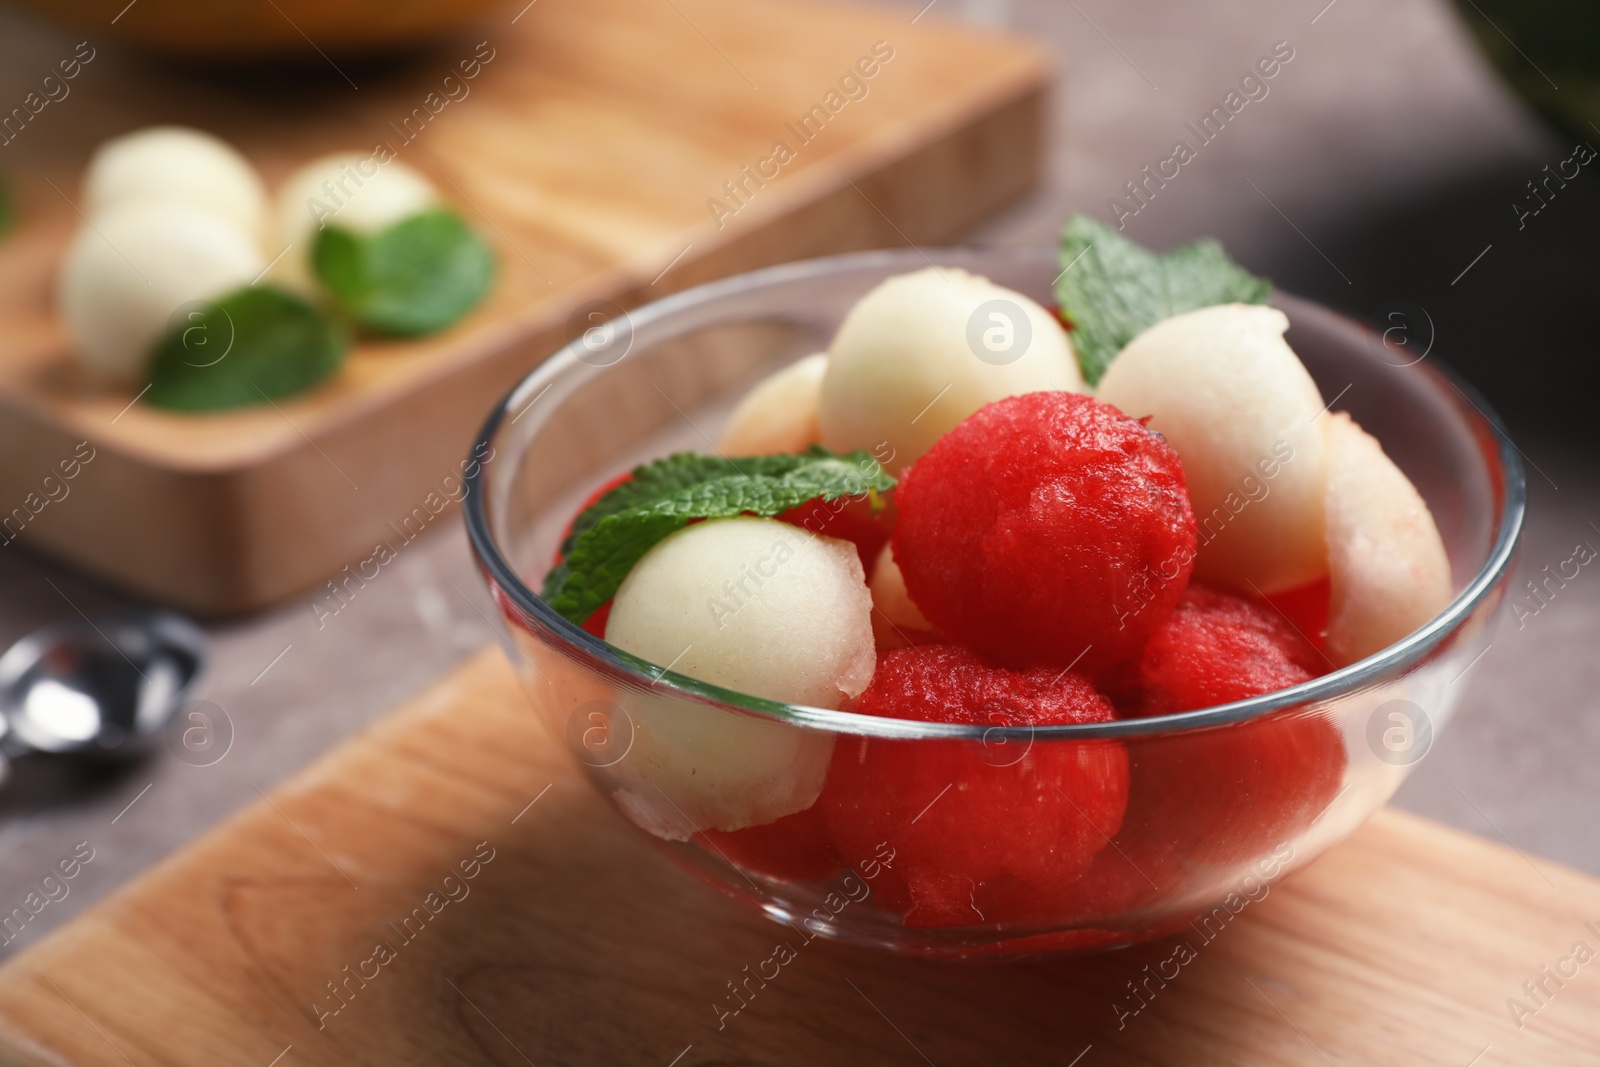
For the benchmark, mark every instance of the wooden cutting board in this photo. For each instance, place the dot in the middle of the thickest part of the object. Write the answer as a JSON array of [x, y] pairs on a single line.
[[588, 150], [576, 943]]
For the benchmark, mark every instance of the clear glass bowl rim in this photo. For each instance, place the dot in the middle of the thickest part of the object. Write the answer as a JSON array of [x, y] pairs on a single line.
[[606, 659]]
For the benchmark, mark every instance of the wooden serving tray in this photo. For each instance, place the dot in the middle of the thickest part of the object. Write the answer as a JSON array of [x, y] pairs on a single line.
[[576, 943], [587, 151]]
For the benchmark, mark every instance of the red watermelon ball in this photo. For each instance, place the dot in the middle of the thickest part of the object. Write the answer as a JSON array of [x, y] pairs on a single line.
[[1233, 793], [1219, 647], [1046, 527], [977, 831], [794, 848], [862, 521]]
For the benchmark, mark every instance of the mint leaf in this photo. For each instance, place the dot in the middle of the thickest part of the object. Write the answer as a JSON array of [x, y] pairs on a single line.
[[683, 471], [254, 343], [617, 530], [417, 276], [1111, 289]]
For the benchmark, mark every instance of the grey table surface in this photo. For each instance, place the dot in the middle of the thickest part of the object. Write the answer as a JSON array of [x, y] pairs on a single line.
[[1383, 160]]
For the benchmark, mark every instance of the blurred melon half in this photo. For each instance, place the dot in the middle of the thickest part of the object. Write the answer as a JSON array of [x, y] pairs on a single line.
[[262, 29]]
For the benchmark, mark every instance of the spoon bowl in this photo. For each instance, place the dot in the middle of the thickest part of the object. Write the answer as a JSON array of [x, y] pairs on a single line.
[[101, 691]]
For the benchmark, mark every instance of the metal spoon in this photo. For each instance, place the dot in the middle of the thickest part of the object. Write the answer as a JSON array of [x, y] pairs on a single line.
[[97, 691]]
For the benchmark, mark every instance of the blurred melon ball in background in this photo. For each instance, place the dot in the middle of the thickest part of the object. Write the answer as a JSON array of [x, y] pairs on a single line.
[[178, 164], [123, 279], [354, 190]]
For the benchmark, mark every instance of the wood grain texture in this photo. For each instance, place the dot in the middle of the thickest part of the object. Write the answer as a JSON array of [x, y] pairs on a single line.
[[586, 152], [578, 944]]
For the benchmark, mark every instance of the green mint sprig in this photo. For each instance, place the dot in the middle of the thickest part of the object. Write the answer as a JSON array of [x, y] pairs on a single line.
[[253, 343], [615, 532], [1111, 289], [415, 277]]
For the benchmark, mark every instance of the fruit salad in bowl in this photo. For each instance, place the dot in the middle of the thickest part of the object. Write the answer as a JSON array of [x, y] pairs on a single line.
[[994, 602]]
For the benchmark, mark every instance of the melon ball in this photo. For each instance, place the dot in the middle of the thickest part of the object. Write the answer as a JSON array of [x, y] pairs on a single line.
[[754, 605], [1235, 402], [922, 351], [125, 276], [693, 768], [1387, 568], [897, 622], [674, 765], [354, 190], [779, 414], [175, 163]]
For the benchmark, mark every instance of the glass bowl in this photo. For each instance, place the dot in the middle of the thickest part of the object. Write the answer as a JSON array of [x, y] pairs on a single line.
[[1222, 802]]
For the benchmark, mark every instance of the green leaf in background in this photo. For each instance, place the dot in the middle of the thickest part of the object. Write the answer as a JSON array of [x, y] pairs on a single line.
[[419, 275], [1112, 289], [254, 343], [617, 530]]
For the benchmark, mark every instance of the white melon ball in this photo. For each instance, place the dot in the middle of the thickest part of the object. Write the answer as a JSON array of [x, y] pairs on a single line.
[[779, 414], [125, 276], [754, 605], [896, 620], [922, 351], [175, 163], [693, 768], [351, 189], [1387, 565], [1235, 402]]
